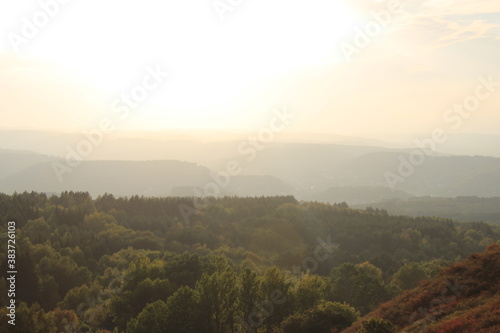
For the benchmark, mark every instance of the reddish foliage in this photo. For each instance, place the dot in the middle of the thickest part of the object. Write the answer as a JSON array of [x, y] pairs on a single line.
[[468, 288], [452, 326]]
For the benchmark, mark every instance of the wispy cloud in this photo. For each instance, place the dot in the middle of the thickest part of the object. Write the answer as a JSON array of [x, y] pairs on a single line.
[[461, 7], [439, 23]]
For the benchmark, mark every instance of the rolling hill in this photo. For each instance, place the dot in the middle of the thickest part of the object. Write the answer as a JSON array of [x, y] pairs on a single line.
[[148, 178], [13, 161], [309, 171]]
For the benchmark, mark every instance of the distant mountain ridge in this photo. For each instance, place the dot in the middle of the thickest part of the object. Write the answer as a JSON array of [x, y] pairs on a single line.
[[161, 144], [127, 178], [14, 161], [309, 171]]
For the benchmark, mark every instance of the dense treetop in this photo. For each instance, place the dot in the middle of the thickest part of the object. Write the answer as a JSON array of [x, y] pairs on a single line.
[[268, 264]]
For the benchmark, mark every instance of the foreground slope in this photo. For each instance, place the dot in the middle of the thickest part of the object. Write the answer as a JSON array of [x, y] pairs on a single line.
[[462, 298]]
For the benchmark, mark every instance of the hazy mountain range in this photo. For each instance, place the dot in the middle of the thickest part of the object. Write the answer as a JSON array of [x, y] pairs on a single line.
[[327, 172]]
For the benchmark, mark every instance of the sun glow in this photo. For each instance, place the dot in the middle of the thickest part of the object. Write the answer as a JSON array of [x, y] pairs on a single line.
[[210, 61]]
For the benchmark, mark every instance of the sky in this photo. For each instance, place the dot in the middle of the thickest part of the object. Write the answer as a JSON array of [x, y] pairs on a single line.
[[356, 68]]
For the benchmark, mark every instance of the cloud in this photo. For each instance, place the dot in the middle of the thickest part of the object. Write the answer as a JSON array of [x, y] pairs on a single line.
[[436, 24], [461, 7], [438, 32]]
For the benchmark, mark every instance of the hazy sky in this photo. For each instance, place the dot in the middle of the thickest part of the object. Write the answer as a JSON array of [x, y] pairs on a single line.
[[230, 66]]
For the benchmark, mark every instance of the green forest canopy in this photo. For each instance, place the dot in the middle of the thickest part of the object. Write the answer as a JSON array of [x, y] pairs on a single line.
[[268, 264]]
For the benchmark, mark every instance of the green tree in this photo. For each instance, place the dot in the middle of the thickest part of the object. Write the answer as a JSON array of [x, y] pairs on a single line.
[[408, 276], [359, 285], [186, 268], [183, 311], [27, 277], [377, 325], [28, 319], [38, 231], [49, 292], [152, 319], [275, 286], [218, 301], [323, 318], [249, 292], [309, 291]]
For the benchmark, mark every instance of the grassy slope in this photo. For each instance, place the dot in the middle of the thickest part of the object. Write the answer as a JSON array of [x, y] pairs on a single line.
[[462, 298]]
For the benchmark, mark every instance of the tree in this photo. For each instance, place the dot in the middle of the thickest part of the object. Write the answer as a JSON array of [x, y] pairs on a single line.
[[65, 320], [408, 276], [49, 292], [249, 292], [152, 319], [38, 231], [218, 301], [186, 268], [323, 318], [28, 319], [309, 291], [148, 291], [377, 325], [274, 283], [359, 285], [183, 311], [27, 277]]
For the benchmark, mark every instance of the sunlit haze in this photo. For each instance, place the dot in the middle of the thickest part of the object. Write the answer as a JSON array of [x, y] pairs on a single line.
[[227, 69]]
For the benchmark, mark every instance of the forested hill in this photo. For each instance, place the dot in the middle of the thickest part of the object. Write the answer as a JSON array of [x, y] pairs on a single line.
[[462, 298], [127, 178], [460, 208], [322, 172], [96, 264]]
